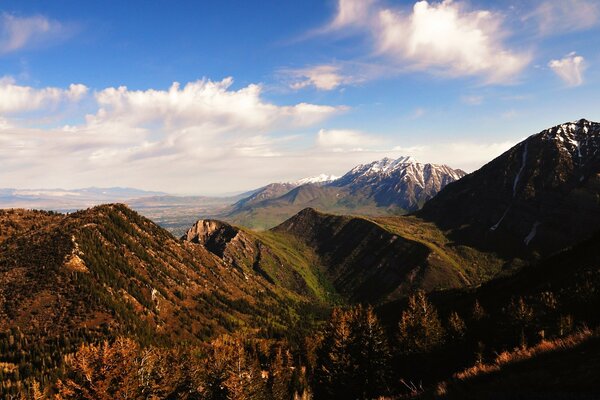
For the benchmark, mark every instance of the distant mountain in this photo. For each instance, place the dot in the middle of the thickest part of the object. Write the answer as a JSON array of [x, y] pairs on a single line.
[[541, 195], [61, 199], [382, 187], [275, 190], [403, 183]]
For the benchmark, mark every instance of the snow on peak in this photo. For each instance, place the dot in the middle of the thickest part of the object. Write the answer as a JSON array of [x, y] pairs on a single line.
[[581, 139], [384, 165], [322, 178]]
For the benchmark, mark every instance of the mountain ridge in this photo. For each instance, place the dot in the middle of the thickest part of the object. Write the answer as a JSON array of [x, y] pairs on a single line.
[[539, 196]]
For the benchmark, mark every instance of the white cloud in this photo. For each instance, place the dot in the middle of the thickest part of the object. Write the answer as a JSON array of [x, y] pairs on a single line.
[[19, 32], [445, 38], [204, 103], [555, 17], [322, 77], [340, 140], [15, 98], [352, 11], [175, 139], [569, 69], [464, 154]]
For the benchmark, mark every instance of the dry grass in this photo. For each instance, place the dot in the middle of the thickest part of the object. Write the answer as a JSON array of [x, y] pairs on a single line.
[[522, 354]]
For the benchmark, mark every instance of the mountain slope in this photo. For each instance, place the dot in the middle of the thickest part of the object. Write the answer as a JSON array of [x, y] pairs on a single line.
[[541, 195], [366, 262], [106, 271], [280, 259]]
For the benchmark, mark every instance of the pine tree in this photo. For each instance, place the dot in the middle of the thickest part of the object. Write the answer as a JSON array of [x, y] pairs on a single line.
[[420, 329], [103, 372], [370, 352], [335, 369], [520, 315], [231, 373], [280, 375], [456, 327]]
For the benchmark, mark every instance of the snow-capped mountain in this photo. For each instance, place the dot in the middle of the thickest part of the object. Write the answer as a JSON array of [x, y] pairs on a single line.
[[403, 182], [542, 194], [381, 187], [322, 178]]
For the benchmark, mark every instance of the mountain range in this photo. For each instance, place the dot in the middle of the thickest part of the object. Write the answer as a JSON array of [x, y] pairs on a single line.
[[383, 187], [518, 238]]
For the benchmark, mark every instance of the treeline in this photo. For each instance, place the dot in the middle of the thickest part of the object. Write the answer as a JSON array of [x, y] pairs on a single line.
[[230, 367], [352, 356]]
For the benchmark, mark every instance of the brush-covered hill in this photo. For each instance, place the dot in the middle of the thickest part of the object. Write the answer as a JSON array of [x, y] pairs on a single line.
[[530, 326], [280, 259], [107, 271], [539, 196]]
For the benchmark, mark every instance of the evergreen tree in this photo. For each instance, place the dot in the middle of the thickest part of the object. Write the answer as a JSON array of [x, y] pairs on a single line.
[[520, 315], [280, 375], [335, 368], [420, 329], [456, 327], [478, 312], [370, 352]]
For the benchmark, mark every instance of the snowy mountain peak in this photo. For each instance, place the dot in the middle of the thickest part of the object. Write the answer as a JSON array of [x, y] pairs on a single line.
[[579, 139], [384, 165], [322, 178]]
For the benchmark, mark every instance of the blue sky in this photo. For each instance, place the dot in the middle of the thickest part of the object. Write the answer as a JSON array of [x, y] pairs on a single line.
[[213, 97]]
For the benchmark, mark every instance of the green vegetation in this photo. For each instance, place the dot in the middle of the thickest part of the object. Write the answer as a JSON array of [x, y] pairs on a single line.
[[105, 304], [293, 253]]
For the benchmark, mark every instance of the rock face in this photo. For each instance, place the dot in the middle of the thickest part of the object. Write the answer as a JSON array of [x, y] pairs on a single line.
[[541, 195], [403, 182], [212, 234]]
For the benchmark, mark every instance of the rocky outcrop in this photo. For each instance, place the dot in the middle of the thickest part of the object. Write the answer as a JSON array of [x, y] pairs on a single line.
[[212, 234]]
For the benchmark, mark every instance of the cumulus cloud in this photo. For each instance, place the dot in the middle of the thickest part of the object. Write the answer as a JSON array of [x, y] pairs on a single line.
[[445, 38], [565, 15], [204, 103], [169, 138], [15, 98], [570, 69], [18, 32]]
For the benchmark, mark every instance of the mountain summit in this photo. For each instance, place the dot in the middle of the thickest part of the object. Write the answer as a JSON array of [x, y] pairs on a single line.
[[540, 195], [403, 182]]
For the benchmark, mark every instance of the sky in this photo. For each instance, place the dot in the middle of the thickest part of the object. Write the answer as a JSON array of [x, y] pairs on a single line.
[[215, 97]]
